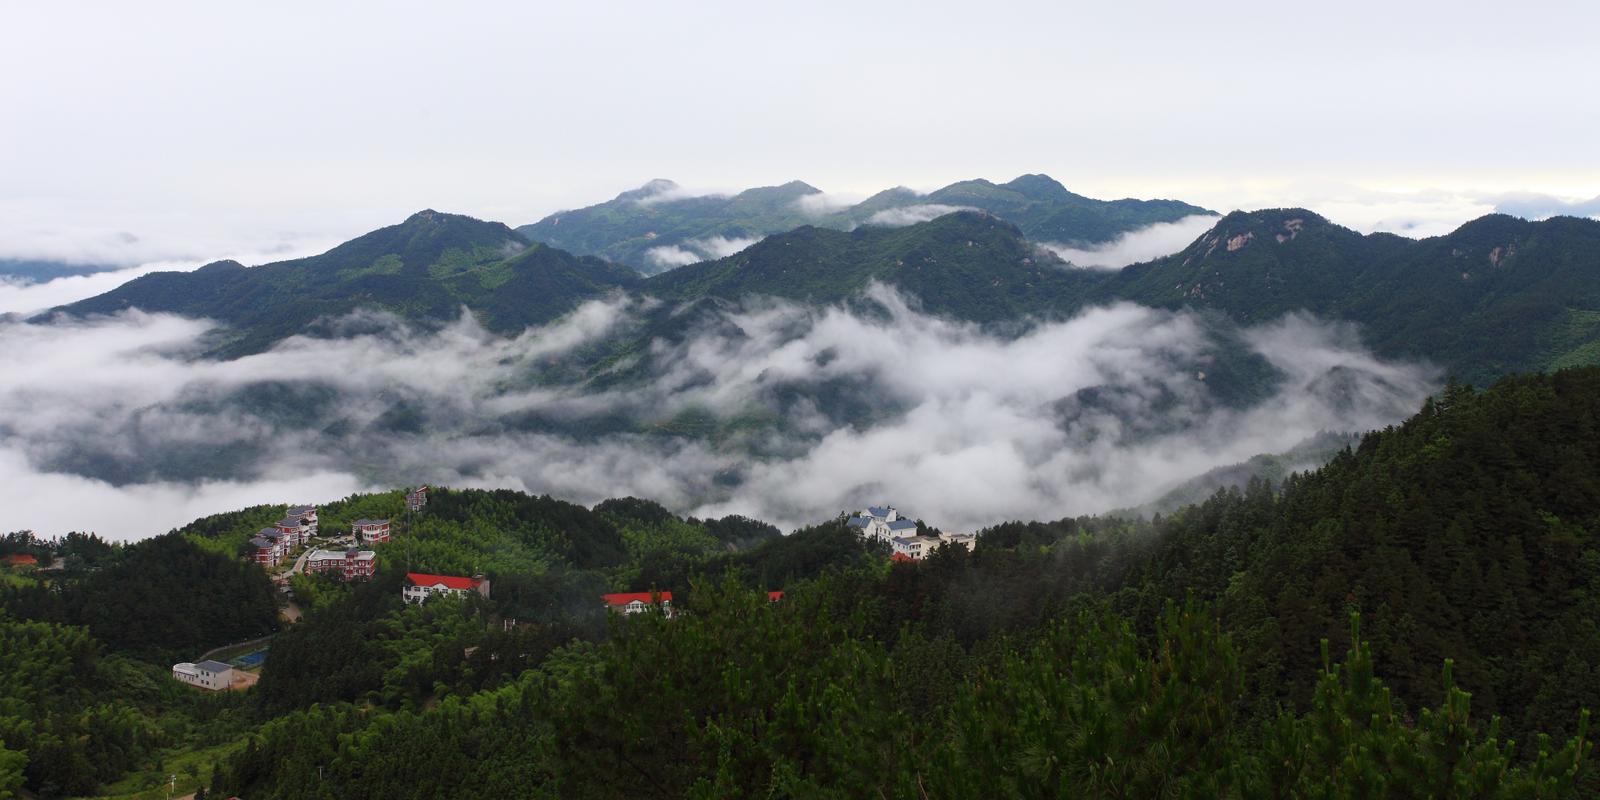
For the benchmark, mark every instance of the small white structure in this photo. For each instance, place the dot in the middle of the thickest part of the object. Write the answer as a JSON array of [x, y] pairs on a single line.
[[967, 540], [915, 548], [213, 675]]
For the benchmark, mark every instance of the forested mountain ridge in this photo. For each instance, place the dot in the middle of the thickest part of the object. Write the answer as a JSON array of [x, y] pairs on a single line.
[[639, 226], [1498, 295], [967, 265], [1176, 656], [425, 269]]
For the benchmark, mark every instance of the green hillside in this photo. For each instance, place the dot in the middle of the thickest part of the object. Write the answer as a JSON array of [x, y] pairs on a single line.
[[1497, 295], [425, 270]]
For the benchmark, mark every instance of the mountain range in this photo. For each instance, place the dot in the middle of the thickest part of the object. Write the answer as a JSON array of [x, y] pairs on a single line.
[[655, 227], [1498, 295]]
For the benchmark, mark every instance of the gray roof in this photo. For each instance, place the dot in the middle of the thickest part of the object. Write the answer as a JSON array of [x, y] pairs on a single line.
[[289, 522], [213, 666], [879, 511], [370, 522], [260, 542], [857, 522], [301, 511], [903, 525], [904, 539]]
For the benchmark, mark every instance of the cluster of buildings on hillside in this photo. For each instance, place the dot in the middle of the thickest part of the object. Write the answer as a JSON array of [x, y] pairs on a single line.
[[271, 545], [886, 524]]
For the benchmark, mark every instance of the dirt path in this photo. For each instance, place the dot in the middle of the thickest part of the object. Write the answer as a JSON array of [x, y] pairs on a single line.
[[213, 651]]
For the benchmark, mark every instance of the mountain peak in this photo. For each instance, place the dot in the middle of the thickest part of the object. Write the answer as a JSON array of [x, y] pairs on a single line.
[[651, 188], [224, 265], [1038, 186]]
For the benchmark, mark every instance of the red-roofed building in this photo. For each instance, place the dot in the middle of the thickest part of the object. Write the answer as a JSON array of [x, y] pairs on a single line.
[[637, 602], [774, 597], [900, 558], [20, 561], [420, 586]]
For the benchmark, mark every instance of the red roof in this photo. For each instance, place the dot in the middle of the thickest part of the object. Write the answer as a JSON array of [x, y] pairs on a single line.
[[21, 559], [624, 598], [449, 581], [774, 596], [901, 558]]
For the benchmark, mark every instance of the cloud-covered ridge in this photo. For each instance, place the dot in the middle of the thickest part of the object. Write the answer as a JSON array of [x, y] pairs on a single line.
[[1133, 247], [112, 424]]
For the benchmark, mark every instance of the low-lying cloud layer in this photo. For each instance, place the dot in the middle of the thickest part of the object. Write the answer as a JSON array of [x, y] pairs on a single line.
[[1133, 247], [114, 425], [694, 251], [911, 215]]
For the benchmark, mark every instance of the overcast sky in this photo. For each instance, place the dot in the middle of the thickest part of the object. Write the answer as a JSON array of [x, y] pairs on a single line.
[[175, 130]]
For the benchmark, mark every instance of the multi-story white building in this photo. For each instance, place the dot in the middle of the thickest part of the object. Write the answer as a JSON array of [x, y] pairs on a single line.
[[915, 548], [881, 523], [213, 675], [420, 586]]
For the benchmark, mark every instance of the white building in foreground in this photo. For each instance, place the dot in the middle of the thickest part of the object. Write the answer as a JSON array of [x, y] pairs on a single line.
[[213, 675]]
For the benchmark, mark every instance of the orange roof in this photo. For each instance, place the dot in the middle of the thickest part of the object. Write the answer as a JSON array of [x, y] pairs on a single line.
[[449, 581], [624, 598], [21, 559]]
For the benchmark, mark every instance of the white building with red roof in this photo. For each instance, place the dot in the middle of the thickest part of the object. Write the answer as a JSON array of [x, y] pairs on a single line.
[[420, 586], [638, 602]]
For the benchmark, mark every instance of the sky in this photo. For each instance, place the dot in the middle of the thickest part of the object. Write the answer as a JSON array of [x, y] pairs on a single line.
[[188, 131]]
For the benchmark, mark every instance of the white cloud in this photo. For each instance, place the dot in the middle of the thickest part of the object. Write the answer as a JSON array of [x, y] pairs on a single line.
[[669, 255], [722, 246], [17, 297], [113, 424], [1529, 205], [821, 204], [1133, 247], [696, 250], [911, 215], [665, 191]]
